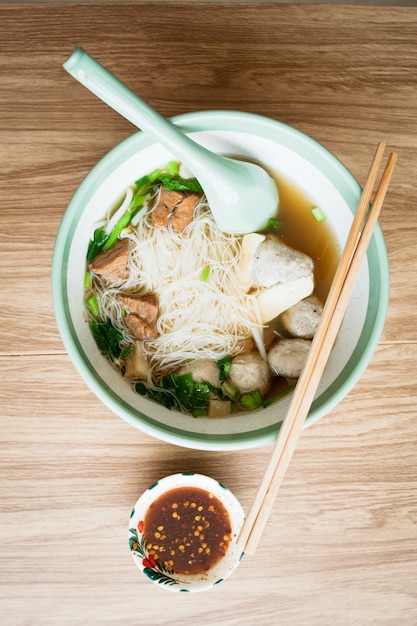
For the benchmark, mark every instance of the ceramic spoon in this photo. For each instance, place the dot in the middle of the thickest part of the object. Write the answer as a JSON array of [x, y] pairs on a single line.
[[242, 196]]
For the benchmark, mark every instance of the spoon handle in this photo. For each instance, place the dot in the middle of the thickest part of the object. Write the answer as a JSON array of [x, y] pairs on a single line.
[[119, 97], [242, 196]]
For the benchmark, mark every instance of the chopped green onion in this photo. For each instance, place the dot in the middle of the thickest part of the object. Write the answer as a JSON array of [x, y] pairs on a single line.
[[230, 390], [273, 223], [148, 178], [92, 305], [142, 181], [251, 400], [87, 280], [224, 365], [205, 274], [318, 214], [155, 175], [199, 412], [119, 211], [125, 220], [128, 350], [173, 168], [121, 225]]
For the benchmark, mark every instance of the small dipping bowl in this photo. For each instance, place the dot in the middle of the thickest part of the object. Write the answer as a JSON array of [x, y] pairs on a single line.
[[142, 551]]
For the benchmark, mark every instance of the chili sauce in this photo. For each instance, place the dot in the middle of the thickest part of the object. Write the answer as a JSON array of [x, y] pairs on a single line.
[[187, 530]]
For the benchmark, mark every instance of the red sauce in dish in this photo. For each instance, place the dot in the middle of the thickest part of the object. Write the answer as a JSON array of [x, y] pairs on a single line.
[[187, 530]]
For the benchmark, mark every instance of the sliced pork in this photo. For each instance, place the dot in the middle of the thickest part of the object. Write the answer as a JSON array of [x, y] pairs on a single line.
[[111, 264]]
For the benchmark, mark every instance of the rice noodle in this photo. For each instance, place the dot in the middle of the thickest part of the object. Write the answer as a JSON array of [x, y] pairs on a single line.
[[207, 318]]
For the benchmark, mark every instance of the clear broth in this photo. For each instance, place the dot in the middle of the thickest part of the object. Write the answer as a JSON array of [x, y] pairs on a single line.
[[299, 229]]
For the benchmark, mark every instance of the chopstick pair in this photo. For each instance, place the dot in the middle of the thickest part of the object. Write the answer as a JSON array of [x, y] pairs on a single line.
[[337, 300]]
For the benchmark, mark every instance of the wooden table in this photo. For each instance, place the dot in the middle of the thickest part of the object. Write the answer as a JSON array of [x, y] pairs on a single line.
[[341, 545]]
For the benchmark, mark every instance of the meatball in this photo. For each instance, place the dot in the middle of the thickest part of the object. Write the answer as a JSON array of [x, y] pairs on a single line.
[[274, 262], [288, 356], [249, 372], [202, 370], [302, 319]]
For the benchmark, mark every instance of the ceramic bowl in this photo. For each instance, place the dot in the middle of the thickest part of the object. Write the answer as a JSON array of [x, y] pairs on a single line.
[[161, 574], [299, 159]]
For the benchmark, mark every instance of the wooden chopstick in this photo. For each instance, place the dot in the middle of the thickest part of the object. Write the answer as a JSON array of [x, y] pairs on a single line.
[[337, 300]]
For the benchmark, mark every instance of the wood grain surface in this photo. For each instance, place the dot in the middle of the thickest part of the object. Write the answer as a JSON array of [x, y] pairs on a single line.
[[341, 545]]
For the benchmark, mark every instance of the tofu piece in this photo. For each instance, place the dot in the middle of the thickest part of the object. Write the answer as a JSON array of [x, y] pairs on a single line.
[[136, 363], [250, 243], [219, 408], [277, 299], [302, 319], [287, 357]]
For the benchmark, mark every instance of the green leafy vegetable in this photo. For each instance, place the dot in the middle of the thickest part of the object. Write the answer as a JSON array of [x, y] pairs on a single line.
[[224, 366], [158, 395], [177, 183], [96, 244], [190, 394], [182, 392], [107, 338]]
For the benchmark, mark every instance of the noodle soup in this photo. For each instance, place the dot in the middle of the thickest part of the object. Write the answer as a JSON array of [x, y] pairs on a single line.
[[173, 303]]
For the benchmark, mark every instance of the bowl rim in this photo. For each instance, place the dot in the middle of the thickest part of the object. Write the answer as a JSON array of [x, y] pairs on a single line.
[[377, 256]]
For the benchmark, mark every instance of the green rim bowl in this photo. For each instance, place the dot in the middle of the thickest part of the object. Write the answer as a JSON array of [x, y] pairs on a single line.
[[297, 157]]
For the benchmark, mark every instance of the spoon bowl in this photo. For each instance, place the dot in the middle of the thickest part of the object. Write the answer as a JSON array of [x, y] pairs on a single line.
[[242, 196]]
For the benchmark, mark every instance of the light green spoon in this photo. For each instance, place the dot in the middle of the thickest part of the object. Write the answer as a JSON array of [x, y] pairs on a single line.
[[242, 196]]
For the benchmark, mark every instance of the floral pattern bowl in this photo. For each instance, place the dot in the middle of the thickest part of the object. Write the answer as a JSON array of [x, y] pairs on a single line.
[[159, 570]]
